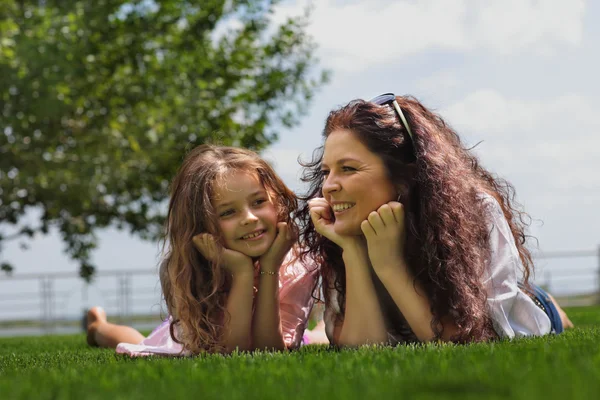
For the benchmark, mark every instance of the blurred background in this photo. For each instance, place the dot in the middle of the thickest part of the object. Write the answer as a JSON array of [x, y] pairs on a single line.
[[101, 99]]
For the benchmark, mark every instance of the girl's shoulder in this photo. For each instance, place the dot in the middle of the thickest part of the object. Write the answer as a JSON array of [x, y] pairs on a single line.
[[295, 265]]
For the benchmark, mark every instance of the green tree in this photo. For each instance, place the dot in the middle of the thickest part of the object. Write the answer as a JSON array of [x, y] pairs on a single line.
[[100, 99]]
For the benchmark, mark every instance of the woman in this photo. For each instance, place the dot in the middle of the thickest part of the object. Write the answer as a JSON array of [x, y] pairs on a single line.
[[416, 241]]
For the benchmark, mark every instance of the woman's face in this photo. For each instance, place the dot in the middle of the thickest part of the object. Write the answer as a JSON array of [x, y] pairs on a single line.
[[355, 181], [246, 214]]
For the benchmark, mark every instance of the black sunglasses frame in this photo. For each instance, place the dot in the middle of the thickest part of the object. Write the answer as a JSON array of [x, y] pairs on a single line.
[[386, 98]]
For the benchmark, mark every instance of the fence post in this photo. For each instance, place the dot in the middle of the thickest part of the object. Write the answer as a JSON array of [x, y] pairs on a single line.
[[598, 278], [43, 304]]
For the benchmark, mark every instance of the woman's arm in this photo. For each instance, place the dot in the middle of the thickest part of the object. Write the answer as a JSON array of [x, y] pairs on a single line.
[[411, 300], [363, 319], [385, 233]]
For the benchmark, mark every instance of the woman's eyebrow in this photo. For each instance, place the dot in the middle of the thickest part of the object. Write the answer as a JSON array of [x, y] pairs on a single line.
[[343, 160]]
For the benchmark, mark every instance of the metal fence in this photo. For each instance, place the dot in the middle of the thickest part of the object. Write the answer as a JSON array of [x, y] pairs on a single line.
[[51, 302], [47, 301], [554, 277]]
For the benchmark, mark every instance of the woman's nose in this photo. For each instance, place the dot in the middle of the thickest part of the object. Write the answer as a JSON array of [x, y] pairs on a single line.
[[330, 184]]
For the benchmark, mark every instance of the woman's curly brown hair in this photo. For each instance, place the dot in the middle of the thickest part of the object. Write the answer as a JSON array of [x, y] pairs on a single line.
[[195, 289], [441, 183]]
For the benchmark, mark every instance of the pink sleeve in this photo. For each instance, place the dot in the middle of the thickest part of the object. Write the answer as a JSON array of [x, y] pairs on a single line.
[[296, 288]]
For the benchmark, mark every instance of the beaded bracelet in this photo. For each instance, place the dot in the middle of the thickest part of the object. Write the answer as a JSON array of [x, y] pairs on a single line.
[[268, 272]]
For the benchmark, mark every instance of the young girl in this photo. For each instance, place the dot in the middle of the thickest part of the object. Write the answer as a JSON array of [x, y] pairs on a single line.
[[231, 278], [416, 240]]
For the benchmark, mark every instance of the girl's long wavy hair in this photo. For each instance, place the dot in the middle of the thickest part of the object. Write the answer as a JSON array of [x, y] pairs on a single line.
[[440, 185], [195, 289]]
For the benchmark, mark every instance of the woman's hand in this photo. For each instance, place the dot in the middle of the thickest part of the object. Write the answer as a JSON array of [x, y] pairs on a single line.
[[234, 261], [272, 259], [322, 218], [385, 232]]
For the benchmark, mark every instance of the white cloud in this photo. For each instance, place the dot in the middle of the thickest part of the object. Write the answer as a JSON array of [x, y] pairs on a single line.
[[509, 25], [285, 163], [552, 142], [440, 83], [488, 112], [355, 35]]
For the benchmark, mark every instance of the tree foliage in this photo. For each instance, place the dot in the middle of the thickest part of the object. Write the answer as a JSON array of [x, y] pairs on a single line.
[[100, 99]]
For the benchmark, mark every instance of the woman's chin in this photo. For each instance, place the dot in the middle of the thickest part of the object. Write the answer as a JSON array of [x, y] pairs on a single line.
[[345, 229]]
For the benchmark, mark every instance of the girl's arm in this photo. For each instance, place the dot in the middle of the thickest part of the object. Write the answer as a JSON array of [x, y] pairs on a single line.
[[239, 307], [239, 300], [266, 325]]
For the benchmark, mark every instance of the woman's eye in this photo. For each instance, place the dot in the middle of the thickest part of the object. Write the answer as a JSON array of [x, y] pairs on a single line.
[[324, 172], [348, 169]]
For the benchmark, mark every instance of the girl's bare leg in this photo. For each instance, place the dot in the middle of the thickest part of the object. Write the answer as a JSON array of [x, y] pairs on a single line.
[[566, 322], [102, 333]]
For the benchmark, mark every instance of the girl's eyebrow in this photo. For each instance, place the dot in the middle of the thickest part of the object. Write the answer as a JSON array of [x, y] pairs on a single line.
[[253, 194]]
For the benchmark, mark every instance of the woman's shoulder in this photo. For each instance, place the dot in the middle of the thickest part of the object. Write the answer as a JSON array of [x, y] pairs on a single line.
[[491, 205]]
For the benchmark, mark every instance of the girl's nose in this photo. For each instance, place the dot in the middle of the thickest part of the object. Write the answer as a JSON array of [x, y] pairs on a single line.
[[249, 217]]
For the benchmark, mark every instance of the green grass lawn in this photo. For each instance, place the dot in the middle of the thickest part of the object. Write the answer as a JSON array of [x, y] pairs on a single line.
[[566, 366]]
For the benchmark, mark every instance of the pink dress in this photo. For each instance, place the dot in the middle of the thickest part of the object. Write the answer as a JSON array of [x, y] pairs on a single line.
[[296, 284]]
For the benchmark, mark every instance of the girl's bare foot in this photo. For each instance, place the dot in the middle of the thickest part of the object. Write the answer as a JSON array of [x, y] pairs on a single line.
[[95, 317], [317, 335]]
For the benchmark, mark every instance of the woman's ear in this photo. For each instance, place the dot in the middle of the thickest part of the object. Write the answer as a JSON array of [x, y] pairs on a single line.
[[402, 190]]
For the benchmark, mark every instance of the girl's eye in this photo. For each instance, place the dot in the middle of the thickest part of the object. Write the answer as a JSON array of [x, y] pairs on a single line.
[[226, 213], [259, 201]]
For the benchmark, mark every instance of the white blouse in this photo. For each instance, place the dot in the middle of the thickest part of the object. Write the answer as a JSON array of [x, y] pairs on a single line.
[[513, 313]]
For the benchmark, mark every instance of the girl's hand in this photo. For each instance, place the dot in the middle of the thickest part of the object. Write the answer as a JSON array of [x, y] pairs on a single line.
[[272, 259], [234, 261], [385, 232]]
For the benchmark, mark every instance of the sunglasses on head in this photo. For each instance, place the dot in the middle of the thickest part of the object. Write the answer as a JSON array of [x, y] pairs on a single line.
[[390, 98]]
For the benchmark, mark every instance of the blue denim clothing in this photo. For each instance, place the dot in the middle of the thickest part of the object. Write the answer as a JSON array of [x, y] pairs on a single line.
[[545, 303]]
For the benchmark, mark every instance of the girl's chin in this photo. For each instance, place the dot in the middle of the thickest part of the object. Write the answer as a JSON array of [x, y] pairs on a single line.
[[257, 249]]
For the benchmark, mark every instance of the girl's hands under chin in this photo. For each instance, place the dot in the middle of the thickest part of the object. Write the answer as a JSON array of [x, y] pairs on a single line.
[[234, 261], [273, 258], [385, 232]]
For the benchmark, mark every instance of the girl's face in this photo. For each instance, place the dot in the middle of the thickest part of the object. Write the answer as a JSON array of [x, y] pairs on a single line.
[[355, 181], [246, 214]]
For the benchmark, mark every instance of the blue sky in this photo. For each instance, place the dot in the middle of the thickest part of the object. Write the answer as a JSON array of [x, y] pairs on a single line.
[[518, 74]]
